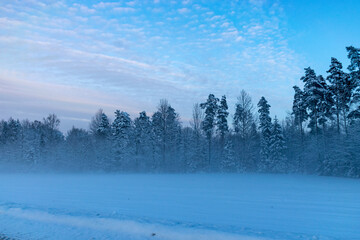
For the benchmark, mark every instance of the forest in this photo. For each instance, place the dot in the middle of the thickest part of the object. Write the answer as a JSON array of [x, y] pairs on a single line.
[[320, 136]]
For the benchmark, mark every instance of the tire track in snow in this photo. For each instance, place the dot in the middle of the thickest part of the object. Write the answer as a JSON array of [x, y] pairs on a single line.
[[128, 228]]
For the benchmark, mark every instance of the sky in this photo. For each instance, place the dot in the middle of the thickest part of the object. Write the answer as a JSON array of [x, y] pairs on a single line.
[[73, 57]]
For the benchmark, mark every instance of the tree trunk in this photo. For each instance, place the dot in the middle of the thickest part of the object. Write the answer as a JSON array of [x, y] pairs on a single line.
[[209, 153], [345, 121]]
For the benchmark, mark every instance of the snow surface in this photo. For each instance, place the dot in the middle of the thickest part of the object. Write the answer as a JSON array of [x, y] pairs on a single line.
[[198, 206]]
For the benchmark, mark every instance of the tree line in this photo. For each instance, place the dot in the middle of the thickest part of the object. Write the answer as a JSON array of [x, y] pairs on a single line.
[[320, 136]]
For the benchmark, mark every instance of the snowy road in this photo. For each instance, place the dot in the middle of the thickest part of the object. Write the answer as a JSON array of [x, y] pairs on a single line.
[[147, 206]]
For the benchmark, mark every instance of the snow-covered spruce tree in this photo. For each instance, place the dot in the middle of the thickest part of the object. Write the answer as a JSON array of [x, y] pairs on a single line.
[[121, 130], [143, 137], [79, 150], [320, 106], [208, 124], [301, 160], [30, 142], [313, 93], [326, 103], [167, 130], [324, 112], [173, 138], [354, 108], [349, 89], [265, 134], [222, 124], [342, 158], [160, 131], [103, 129], [337, 80], [12, 130], [11, 141], [242, 122], [278, 161], [295, 145], [354, 57], [299, 110], [254, 148], [101, 132], [228, 162], [3, 126], [188, 150], [354, 68], [317, 98]]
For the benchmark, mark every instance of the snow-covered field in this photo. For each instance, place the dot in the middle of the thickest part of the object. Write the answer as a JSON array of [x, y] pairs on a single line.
[[162, 206]]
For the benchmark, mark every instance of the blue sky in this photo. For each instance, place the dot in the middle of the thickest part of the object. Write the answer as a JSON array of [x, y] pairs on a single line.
[[74, 57]]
